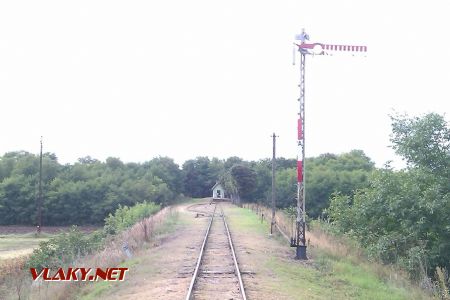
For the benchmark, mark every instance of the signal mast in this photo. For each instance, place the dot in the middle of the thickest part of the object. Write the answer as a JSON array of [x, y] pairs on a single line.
[[299, 239]]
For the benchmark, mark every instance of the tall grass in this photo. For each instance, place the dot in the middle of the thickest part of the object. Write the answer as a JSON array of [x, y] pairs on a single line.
[[322, 243], [13, 278], [443, 283]]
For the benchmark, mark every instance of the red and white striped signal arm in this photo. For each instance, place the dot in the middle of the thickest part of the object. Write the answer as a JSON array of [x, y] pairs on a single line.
[[323, 49]]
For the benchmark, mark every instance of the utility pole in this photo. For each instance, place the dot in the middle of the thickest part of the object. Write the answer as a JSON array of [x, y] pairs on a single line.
[[39, 206], [272, 223], [299, 239]]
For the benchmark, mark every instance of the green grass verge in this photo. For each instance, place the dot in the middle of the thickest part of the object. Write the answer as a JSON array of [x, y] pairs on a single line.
[[325, 276], [244, 219], [100, 287], [332, 278]]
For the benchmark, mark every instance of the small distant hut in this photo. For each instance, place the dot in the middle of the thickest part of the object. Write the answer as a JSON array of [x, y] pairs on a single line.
[[218, 191]]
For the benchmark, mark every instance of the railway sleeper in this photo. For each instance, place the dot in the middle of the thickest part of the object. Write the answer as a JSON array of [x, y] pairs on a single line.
[[217, 272]]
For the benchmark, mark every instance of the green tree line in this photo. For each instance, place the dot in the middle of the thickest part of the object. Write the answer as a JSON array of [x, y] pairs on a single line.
[[89, 190], [252, 180], [82, 193], [403, 216]]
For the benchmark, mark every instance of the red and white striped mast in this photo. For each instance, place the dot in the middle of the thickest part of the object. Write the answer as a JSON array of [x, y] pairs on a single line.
[[304, 48]]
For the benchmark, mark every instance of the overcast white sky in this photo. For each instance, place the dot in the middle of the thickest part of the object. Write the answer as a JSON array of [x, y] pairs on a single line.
[[138, 79]]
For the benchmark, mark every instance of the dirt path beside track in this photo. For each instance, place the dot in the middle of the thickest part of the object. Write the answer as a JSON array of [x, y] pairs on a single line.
[[164, 270]]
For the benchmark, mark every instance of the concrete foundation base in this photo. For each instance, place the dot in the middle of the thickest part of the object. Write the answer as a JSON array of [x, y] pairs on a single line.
[[301, 253]]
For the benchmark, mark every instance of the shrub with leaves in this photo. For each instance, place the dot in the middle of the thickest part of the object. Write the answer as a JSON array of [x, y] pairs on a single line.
[[124, 217], [65, 248], [403, 216]]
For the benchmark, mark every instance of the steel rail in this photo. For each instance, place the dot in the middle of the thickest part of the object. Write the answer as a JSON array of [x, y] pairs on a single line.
[[197, 267], [192, 207], [236, 266]]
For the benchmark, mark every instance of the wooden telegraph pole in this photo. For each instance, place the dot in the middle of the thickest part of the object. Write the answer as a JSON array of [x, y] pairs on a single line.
[[39, 204], [272, 223]]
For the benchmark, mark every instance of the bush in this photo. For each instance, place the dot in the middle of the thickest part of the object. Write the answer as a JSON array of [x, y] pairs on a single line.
[[65, 248], [124, 217]]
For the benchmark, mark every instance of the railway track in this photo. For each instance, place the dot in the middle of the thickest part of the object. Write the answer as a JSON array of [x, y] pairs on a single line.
[[217, 274]]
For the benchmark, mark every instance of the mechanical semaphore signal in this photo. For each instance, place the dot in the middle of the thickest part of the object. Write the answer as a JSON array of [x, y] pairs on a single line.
[[299, 238]]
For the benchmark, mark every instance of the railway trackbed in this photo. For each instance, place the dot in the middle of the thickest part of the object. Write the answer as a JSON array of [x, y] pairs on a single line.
[[217, 274]]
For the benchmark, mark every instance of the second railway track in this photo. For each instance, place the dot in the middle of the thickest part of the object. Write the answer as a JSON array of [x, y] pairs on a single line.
[[217, 274]]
